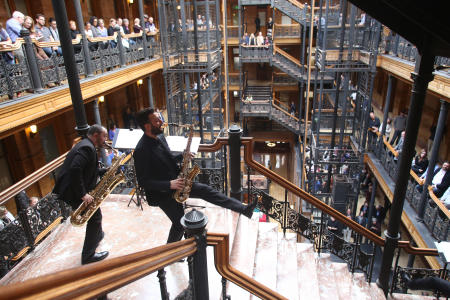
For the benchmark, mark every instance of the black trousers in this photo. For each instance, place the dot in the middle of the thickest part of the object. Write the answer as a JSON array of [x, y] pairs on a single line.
[[396, 136], [430, 284], [175, 212], [94, 233]]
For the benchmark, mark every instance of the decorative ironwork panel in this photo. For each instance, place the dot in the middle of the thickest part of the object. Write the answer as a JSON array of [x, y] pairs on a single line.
[[429, 215], [14, 78], [268, 205], [214, 177], [440, 226], [12, 240], [337, 246], [43, 214], [400, 285]]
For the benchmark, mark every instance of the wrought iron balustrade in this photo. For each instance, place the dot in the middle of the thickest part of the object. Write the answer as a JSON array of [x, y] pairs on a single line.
[[104, 54]]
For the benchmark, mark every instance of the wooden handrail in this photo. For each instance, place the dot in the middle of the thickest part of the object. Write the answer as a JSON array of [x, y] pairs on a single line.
[[93, 280], [248, 145], [222, 263], [287, 55], [438, 202]]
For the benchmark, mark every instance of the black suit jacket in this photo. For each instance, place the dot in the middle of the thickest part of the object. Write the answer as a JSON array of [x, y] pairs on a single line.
[[155, 167], [445, 183], [78, 174]]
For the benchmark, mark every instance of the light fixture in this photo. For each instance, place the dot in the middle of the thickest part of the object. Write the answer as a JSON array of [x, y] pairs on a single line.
[[271, 144], [130, 1], [178, 7], [139, 82], [33, 130], [101, 99]]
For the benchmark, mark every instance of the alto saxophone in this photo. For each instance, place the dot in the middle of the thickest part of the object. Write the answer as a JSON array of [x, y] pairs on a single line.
[[106, 185], [187, 174]]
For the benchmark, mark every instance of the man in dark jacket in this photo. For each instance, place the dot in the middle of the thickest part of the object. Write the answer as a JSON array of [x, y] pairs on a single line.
[[78, 176], [441, 180], [157, 171]]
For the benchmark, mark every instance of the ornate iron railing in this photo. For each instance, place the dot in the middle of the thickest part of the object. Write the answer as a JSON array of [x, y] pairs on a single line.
[[105, 54]]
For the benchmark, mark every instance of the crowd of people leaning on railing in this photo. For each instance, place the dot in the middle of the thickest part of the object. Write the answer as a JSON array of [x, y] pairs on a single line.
[[94, 28], [257, 41], [420, 164]]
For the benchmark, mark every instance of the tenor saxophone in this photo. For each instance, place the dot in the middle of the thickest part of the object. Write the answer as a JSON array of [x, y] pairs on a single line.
[[187, 174], [106, 185]]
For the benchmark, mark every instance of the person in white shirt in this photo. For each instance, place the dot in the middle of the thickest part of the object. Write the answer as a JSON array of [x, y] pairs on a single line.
[[5, 217], [260, 39]]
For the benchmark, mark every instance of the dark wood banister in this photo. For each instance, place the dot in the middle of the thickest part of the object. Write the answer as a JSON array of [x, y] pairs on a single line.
[[93, 280], [222, 263], [248, 144]]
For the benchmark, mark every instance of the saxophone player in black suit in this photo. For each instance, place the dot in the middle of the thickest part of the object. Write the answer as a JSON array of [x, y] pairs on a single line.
[[157, 171], [78, 176]]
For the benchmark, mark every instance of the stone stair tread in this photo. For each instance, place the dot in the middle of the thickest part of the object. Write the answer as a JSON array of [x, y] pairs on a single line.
[[243, 254], [397, 296], [308, 285], [361, 288], [328, 287], [265, 270], [287, 265], [375, 292]]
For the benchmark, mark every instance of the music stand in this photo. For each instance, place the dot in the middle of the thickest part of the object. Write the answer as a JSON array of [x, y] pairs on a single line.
[[127, 139]]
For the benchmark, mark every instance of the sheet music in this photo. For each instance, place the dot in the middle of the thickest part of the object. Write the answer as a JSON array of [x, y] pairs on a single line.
[[178, 143], [126, 138]]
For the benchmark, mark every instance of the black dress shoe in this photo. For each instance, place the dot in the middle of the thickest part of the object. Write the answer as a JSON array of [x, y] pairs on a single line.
[[248, 212], [94, 258]]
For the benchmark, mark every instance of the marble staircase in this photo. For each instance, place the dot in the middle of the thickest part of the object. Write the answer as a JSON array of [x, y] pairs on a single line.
[[257, 249]]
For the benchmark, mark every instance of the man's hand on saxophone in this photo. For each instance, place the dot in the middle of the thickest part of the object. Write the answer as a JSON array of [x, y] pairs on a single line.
[[177, 184], [87, 199]]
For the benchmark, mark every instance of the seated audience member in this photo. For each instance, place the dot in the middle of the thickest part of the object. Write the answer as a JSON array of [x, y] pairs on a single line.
[[103, 32], [34, 201], [151, 26], [55, 34], [88, 30], [441, 180], [110, 30], [5, 217], [94, 23], [126, 26], [374, 124], [420, 163], [446, 198], [73, 34], [43, 34], [29, 25], [5, 42], [137, 28], [119, 23]]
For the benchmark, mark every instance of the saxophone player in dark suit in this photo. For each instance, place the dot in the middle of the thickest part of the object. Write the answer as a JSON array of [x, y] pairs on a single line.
[[78, 176], [157, 171]]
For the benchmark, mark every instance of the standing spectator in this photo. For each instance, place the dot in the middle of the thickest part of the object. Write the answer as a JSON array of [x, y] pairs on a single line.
[[260, 39], [374, 124], [399, 126], [257, 24], [334, 226], [128, 118], [5, 42], [292, 109], [399, 146], [379, 214], [347, 231], [361, 219], [364, 209], [252, 40], [388, 129], [375, 227], [441, 180], [420, 163], [14, 25], [245, 39], [22, 201], [88, 30], [199, 21], [112, 132], [362, 19], [269, 28]]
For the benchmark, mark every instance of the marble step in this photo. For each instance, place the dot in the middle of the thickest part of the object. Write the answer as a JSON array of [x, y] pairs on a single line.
[[243, 254], [287, 265], [376, 292], [396, 296], [308, 285], [328, 287], [266, 258], [360, 288]]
